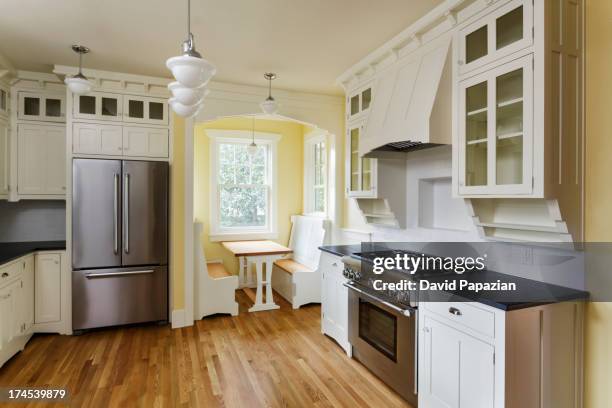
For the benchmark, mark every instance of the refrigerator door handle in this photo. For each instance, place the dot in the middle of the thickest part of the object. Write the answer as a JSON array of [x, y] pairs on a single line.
[[126, 213], [116, 214], [112, 274]]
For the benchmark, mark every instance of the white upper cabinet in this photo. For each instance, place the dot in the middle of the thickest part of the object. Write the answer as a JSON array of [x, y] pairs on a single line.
[[360, 171], [98, 106], [143, 109], [359, 102], [145, 142], [89, 138], [41, 107], [4, 159], [4, 101], [495, 130], [503, 31], [41, 160]]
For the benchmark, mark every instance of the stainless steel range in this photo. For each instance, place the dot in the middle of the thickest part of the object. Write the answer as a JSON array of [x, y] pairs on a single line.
[[383, 323]]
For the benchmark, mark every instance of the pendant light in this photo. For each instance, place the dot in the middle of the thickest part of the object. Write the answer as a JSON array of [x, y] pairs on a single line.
[[269, 106], [190, 69], [252, 148], [78, 84]]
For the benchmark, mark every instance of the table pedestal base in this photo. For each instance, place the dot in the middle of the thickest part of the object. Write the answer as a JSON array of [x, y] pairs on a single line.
[[246, 280]]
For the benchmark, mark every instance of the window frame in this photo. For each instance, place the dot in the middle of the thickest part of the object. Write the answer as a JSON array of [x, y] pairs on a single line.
[[270, 231], [309, 174]]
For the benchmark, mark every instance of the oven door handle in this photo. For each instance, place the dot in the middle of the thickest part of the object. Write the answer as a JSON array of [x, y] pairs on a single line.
[[406, 312]]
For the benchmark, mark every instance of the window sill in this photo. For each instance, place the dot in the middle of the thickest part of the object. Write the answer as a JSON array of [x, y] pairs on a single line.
[[242, 236]]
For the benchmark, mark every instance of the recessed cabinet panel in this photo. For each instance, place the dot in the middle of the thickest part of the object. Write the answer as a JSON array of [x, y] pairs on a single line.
[[503, 31], [145, 142], [41, 160], [359, 102], [139, 109], [98, 106], [47, 281], [495, 130], [41, 107], [97, 139]]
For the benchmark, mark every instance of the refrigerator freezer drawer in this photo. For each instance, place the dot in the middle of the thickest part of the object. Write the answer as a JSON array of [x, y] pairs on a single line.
[[110, 297]]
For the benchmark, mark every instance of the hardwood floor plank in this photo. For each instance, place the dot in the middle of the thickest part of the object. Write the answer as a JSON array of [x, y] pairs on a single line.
[[274, 359]]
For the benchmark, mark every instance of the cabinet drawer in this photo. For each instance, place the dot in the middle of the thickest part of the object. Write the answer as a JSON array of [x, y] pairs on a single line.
[[472, 317], [11, 272]]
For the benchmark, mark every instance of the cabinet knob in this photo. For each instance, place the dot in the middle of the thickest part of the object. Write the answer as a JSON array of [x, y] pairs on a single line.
[[5, 275], [56, 262], [6, 297], [426, 329], [454, 311], [335, 264]]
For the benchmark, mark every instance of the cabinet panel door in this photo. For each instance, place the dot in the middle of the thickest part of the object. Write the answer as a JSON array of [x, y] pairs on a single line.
[[502, 32], [27, 292], [33, 106], [32, 155], [47, 288], [9, 313], [56, 161], [139, 109], [147, 142], [4, 158], [97, 139]]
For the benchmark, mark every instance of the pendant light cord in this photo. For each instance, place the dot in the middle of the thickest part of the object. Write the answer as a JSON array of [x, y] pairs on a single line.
[[188, 18], [80, 62], [253, 129]]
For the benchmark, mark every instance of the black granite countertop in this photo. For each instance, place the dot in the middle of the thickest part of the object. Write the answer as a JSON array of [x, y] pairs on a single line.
[[341, 250], [528, 292], [14, 250]]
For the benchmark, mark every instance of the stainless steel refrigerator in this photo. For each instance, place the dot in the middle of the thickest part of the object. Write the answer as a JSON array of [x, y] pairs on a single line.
[[119, 242]]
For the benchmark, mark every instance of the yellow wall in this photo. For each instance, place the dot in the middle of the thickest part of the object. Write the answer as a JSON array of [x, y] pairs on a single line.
[[290, 177], [598, 228], [177, 214]]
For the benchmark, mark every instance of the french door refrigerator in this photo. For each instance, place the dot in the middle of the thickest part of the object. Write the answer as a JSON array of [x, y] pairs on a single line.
[[119, 242]]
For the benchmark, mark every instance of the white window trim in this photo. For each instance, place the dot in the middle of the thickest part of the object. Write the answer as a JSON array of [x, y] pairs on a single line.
[[271, 139], [309, 141]]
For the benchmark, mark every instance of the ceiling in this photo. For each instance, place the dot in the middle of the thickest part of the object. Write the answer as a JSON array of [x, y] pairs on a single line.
[[308, 43]]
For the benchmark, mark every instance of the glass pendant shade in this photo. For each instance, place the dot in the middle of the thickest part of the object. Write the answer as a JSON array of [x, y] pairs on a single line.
[[190, 71], [187, 96], [252, 149], [269, 106], [78, 84], [186, 111]]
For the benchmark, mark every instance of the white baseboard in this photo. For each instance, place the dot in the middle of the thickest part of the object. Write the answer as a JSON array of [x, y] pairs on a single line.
[[178, 319]]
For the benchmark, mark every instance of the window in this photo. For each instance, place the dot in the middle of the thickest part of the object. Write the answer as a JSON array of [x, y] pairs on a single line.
[[243, 186], [315, 183]]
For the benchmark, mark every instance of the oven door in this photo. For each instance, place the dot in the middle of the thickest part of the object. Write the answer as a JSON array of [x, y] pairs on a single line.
[[383, 337]]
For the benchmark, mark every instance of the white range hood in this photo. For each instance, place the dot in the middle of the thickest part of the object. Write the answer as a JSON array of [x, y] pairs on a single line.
[[412, 105]]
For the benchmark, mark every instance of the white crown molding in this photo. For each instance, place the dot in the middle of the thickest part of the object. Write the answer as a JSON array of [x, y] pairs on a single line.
[[111, 75], [409, 37]]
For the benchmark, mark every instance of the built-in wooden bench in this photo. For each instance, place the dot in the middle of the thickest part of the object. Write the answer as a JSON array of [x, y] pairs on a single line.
[[216, 287], [297, 279], [216, 270]]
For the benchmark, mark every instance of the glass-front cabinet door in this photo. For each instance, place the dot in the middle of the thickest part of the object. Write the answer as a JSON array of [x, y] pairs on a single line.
[[361, 171], [41, 107], [142, 109], [98, 106], [359, 102], [499, 33], [495, 134]]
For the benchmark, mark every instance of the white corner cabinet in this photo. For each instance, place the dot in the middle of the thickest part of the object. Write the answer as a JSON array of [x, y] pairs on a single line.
[[41, 161], [475, 356], [334, 300], [121, 141], [32, 299], [102, 106], [360, 171], [16, 306]]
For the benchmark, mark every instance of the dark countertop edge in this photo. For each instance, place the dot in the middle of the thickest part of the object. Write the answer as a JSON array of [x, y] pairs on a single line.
[[341, 250], [9, 251]]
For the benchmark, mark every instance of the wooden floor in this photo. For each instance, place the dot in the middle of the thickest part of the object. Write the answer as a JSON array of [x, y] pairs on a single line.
[[274, 358]]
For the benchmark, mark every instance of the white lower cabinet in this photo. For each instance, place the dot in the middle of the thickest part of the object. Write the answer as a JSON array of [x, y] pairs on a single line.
[[41, 160], [334, 300], [16, 306], [476, 356], [145, 142], [97, 139], [47, 288]]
